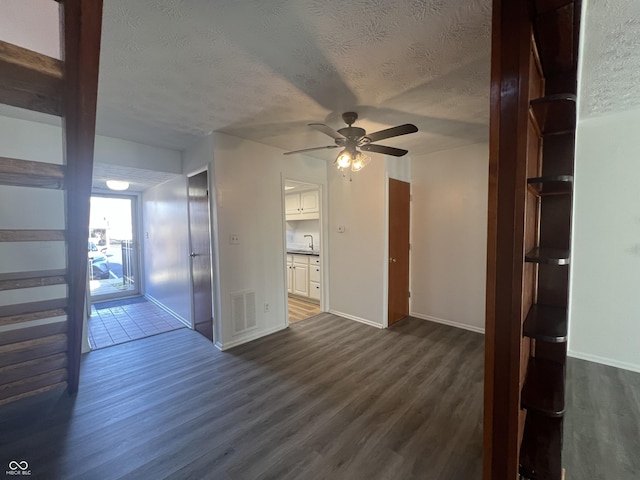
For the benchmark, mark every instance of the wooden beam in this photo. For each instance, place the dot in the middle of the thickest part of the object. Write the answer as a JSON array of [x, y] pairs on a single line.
[[24, 173], [511, 50], [30, 80], [81, 22]]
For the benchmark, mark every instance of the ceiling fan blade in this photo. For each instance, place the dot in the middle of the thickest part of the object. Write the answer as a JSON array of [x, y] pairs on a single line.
[[310, 149], [396, 152], [321, 127], [392, 132]]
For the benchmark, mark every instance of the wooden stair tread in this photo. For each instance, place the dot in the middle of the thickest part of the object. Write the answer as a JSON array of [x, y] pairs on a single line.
[[555, 36], [32, 235], [25, 351], [31, 393], [541, 450], [12, 373], [25, 385], [27, 317], [25, 173], [543, 389], [546, 323], [33, 332], [32, 307], [30, 80], [12, 281]]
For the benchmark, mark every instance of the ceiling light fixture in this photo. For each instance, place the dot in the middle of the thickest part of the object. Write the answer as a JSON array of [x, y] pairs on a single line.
[[351, 158], [117, 185]]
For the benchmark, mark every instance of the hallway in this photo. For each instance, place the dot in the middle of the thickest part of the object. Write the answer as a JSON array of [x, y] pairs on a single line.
[[121, 321]]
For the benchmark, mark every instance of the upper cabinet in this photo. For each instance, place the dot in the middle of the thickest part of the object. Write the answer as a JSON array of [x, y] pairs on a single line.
[[302, 206]]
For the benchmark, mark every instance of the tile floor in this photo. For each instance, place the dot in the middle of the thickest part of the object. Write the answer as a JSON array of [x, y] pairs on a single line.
[[120, 321]]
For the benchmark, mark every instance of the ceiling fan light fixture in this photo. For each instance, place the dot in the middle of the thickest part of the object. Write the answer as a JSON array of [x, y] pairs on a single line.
[[360, 162], [343, 160]]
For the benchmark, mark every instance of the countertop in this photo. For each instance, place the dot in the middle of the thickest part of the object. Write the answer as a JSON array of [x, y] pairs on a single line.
[[314, 253]]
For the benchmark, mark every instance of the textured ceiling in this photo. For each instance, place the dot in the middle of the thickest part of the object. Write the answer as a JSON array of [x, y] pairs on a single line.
[[173, 70], [139, 179], [610, 73]]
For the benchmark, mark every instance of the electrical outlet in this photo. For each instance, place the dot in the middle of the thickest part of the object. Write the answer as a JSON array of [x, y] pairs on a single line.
[[234, 239], [267, 307]]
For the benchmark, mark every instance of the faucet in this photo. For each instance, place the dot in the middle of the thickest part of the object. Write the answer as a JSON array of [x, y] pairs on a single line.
[[311, 244]]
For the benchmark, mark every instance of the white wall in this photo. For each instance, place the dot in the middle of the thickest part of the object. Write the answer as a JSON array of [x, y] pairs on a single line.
[[449, 236], [604, 308], [166, 246], [247, 181], [39, 142], [357, 257]]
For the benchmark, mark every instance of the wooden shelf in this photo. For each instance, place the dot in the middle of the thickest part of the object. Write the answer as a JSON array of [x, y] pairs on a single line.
[[552, 185], [548, 256], [545, 323], [540, 453], [544, 6], [555, 27], [543, 390], [555, 114]]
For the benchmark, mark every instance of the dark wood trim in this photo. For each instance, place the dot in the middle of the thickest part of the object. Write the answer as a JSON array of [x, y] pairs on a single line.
[[25, 173], [511, 52], [30, 80], [13, 281], [81, 22], [35, 236]]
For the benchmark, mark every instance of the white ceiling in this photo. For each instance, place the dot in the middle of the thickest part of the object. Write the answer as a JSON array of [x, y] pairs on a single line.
[[610, 57], [174, 70]]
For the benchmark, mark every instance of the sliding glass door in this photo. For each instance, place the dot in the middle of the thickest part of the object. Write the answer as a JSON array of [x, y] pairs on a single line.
[[113, 247]]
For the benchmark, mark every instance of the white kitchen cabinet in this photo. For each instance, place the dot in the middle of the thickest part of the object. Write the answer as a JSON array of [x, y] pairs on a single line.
[[290, 273], [301, 275], [314, 278], [302, 206]]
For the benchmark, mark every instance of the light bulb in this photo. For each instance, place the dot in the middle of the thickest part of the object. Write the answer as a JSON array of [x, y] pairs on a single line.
[[360, 162], [117, 185], [343, 160]]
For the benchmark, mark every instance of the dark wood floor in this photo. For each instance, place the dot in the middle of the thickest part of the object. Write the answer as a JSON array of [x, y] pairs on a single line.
[[602, 423], [327, 398]]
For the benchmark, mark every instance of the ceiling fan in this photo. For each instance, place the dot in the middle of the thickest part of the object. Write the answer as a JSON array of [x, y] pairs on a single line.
[[354, 138]]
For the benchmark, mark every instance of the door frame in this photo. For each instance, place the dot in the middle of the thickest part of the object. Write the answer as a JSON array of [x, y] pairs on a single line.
[[136, 232], [213, 254], [324, 236]]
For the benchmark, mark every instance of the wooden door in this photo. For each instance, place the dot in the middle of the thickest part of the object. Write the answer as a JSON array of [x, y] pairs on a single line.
[[199, 229], [399, 221]]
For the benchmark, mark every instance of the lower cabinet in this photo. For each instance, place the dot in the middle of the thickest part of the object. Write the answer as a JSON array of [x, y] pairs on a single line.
[[303, 275]]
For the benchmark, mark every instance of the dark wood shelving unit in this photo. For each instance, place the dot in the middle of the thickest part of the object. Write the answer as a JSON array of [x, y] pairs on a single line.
[[540, 454], [532, 155], [543, 391], [548, 256], [546, 323], [555, 114], [552, 185]]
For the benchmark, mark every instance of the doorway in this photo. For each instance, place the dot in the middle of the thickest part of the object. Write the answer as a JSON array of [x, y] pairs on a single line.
[[399, 246], [113, 247], [303, 249], [200, 240]]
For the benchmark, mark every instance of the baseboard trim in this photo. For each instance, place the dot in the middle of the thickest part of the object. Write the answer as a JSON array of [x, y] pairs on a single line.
[[167, 309], [632, 367], [450, 323], [249, 338], [356, 319]]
